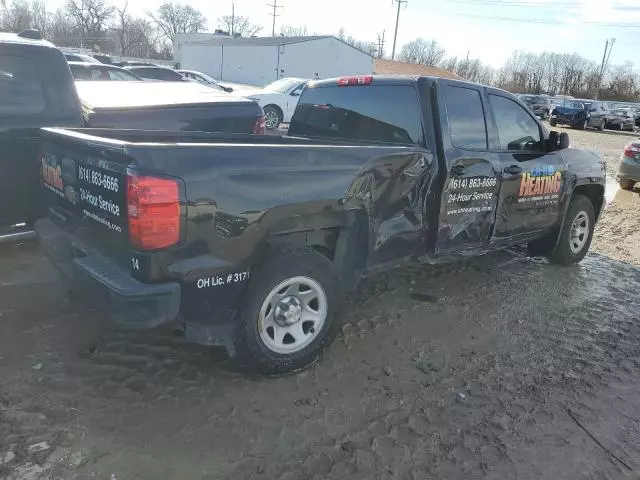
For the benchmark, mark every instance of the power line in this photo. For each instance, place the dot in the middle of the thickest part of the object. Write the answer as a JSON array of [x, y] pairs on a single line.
[[395, 34], [274, 14]]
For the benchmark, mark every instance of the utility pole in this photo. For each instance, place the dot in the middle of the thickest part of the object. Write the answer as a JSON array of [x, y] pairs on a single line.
[[395, 35], [275, 7], [233, 17], [608, 46], [381, 45]]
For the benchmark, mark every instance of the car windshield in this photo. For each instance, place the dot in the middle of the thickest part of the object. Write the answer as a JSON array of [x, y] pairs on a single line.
[[571, 104], [622, 113], [282, 86]]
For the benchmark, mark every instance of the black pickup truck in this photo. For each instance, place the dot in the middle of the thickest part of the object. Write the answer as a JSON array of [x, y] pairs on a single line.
[[250, 241], [37, 90]]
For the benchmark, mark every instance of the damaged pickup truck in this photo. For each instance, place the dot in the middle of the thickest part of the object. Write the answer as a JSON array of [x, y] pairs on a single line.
[[251, 241]]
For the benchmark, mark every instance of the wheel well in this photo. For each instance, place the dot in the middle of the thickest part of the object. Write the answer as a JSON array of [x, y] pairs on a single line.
[[323, 240], [275, 107], [595, 193]]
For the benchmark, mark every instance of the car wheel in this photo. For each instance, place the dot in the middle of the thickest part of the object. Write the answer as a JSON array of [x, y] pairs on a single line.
[[290, 313], [583, 125], [626, 184], [272, 117], [602, 125], [577, 232], [553, 123]]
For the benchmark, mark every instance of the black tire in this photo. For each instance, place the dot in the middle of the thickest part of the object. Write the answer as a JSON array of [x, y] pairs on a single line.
[[562, 253], [553, 123], [602, 125], [252, 349], [272, 112], [626, 184], [583, 125]]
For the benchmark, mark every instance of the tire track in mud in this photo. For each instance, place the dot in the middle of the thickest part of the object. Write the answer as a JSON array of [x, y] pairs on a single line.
[[509, 340]]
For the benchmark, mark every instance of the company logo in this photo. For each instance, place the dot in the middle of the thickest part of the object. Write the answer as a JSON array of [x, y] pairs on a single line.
[[52, 175], [541, 182]]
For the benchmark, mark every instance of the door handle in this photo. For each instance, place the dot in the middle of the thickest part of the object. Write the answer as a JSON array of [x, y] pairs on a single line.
[[513, 169]]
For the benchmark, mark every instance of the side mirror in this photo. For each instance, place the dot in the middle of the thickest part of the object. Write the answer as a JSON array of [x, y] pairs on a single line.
[[557, 141]]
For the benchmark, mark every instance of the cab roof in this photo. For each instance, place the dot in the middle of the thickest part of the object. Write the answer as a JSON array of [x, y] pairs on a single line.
[[16, 38], [115, 95]]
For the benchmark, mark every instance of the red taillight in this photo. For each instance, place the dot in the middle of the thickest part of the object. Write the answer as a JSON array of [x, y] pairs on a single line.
[[260, 125], [361, 80], [632, 150], [153, 205]]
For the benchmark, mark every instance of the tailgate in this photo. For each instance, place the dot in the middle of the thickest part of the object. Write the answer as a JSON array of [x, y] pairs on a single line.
[[84, 183]]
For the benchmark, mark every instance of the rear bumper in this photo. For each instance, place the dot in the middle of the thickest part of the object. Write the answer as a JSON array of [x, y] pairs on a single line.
[[629, 169], [129, 302]]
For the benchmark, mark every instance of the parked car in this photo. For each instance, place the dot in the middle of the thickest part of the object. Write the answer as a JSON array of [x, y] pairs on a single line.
[[204, 79], [106, 59], [36, 90], [278, 99], [252, 241], [597, 113], [540, 105], [164, 74], [102, 72], [629, 168], [570, 112], [174, 106], [621, 119], [79, 57]]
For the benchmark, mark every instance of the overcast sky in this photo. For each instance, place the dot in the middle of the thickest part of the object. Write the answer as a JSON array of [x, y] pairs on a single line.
[[487, 29]]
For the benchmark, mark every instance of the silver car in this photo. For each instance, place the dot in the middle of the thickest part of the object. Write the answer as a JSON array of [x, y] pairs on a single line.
[[629, 169]]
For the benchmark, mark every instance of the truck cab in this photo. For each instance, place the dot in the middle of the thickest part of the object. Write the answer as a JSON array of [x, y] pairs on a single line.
[[36, 90]]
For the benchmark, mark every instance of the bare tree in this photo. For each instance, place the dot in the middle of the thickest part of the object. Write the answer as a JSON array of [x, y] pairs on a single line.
[[172, 19], [91, 16], [292, 31], [132, 32], [238, 25], [368, 47], [16, 16], [424, 52]]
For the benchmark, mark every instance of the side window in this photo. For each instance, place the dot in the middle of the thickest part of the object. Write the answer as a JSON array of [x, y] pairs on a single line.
[[298, 90], [21, 91], [466, 118], [517, 130]]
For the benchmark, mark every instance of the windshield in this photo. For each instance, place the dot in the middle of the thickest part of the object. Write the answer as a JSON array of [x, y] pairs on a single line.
[[571, 104], [622, 113], [282, 86]]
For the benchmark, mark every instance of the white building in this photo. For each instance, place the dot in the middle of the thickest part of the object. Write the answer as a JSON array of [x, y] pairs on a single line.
[[262, 60]]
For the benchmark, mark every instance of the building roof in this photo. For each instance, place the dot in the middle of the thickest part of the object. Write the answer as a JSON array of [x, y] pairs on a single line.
[[255, 41], [391, 67]]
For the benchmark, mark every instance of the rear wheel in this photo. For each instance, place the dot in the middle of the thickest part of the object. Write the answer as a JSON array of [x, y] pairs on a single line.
[[626, 184], [272, 117], [577, 232], [553, 123], [290, 313], [602, 125], [583, 125]]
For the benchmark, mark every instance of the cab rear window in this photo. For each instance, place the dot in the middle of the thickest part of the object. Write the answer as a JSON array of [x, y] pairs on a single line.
[[383, 113], [21, 91]]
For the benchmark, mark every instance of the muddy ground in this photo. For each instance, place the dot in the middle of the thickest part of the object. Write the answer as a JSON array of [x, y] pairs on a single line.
[[504, 367]]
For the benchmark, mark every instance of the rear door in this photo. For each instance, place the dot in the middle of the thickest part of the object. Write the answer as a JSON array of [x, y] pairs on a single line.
[[470, 193], [532, 178]]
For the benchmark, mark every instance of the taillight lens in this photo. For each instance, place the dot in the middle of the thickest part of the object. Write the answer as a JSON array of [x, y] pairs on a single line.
[[632, 150], [260, 126], [153, 206]]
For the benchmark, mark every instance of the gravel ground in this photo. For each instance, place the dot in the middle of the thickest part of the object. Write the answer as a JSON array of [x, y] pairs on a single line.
[[500, 368]]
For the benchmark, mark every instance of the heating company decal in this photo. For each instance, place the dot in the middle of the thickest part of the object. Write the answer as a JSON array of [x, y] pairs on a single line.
[[52, 174], [541, 185]]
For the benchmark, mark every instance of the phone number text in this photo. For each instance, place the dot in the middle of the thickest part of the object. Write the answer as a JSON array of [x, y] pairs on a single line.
[[475, 182], [99, 179]]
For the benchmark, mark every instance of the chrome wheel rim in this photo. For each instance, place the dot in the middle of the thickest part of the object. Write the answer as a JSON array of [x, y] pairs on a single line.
[[271, 119], [292, 315], [579, 232]]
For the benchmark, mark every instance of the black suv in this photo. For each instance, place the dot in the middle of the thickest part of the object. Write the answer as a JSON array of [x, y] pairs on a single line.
[[540, 105], [598, 113]]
